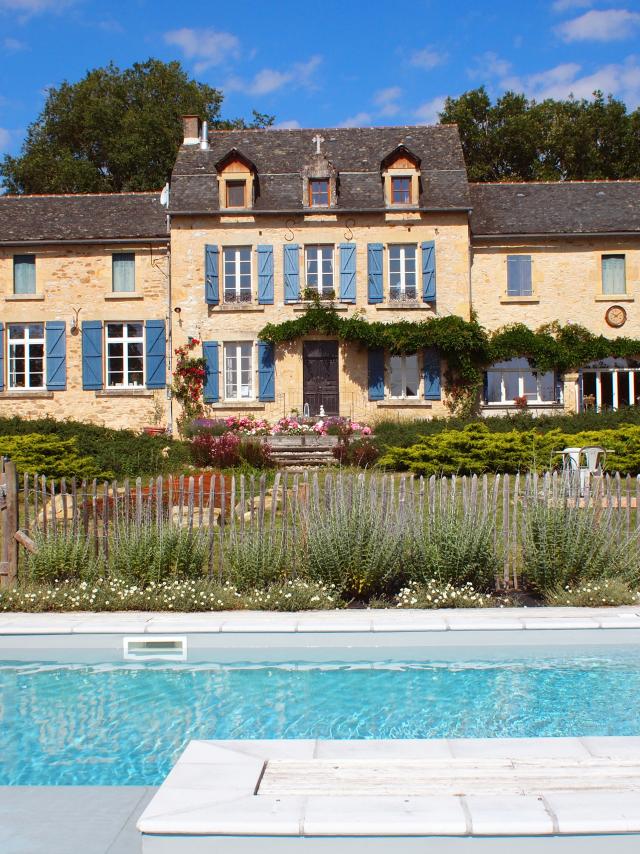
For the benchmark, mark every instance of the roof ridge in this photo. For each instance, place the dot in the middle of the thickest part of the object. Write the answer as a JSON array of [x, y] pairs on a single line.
[[554, 183], [79, 195], [307, 129]]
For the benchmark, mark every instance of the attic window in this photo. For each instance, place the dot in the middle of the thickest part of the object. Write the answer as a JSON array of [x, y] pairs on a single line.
[[236, 194], [319, 193], [401, 189]]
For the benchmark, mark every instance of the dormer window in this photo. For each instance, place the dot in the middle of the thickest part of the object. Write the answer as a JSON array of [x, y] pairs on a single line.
[[237, 181], [400, 171], [236, 194], [319, 192], [401, 190]]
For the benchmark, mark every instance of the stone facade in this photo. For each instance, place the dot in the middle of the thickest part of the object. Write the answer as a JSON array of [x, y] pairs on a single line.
[[472, 230]]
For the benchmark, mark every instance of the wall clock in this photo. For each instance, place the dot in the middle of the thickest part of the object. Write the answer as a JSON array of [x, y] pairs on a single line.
[[616, 316]]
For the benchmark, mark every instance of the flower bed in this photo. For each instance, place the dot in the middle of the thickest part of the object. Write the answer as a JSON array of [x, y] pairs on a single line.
[[291, 425]]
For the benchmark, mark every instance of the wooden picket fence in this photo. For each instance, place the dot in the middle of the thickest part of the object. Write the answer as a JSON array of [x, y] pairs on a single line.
[[228, 506]]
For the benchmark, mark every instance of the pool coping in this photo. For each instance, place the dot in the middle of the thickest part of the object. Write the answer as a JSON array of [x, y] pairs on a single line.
[[214, 790], [323, 622]]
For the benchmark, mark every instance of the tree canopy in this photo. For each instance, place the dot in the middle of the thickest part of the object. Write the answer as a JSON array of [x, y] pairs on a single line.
[[113, 130], [520, 139]]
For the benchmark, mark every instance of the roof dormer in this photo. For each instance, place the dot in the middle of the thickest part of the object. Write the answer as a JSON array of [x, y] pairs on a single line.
[[319, 179], [237, 181], [400, 171]]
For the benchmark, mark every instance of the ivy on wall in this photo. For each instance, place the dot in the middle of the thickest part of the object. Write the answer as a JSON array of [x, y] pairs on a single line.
[[467, 347]]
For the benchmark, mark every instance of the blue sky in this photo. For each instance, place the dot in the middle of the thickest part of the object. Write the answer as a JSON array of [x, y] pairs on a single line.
[[325, 62]]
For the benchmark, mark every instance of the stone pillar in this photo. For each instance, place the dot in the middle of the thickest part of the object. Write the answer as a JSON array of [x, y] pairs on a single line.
[[570, 392]]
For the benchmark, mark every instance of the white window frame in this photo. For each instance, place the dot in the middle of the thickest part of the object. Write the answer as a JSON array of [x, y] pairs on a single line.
[[321, 289], [238, 345], [521, 371], [26, 341], [237, 293], [403, 371], [401, 293], [124, 340]]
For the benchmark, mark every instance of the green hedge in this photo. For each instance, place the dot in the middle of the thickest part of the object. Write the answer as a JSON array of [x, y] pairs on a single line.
[[404, 432], [122, 453], [475, 450], [50, 456]]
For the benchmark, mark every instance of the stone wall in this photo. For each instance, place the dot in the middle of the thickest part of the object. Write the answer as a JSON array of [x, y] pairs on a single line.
[[77, 278]]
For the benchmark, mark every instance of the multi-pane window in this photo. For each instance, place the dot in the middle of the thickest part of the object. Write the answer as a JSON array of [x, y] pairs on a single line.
[[235, 194], [401, 190], [125, 354], [123, 272], [515, 379], [319, 267], [613, 274], [25, 343], [237, 273], [319, 192], [24, 274], [238, 370], [402, 272], [404, 377], [610, 384]]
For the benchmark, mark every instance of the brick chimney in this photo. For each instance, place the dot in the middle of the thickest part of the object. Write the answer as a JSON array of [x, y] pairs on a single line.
[[191, 130]]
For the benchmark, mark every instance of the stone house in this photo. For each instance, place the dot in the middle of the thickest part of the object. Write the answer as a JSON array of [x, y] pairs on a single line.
[[255, 226]]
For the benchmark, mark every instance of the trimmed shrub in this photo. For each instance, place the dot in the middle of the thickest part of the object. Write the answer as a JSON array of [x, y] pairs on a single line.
[[475, 450], [122, 453], [360, 452], [229, 450], [35, 453]]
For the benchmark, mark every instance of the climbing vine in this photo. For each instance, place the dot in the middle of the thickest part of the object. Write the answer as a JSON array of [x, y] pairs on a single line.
[[467, 347]]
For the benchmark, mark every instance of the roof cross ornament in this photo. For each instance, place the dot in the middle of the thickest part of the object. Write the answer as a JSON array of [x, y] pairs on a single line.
[[318, 141]]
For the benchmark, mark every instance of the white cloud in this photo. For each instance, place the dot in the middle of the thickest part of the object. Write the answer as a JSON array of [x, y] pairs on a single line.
[[288, 124], [268, 80], [358, 120], [489, 65], [600, 26], [567, 5], [13, 45], [620, 79], [428, 113], [427, 58], [5, 138], [34, 7], [209, 47], [385, 100]]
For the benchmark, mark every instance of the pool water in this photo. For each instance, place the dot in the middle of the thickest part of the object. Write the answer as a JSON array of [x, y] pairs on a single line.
[[126, 724]]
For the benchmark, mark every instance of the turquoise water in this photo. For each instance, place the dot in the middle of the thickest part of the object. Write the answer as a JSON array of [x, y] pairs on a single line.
[[126, 724]]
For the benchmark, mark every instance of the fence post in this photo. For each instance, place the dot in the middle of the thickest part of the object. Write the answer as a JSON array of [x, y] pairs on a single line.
[[10, 527]]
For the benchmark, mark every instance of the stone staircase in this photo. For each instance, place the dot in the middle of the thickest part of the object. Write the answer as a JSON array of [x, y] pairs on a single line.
[[302, 452]]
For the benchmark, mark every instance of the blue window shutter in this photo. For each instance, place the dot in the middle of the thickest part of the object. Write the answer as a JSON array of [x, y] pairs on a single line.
[[374, 272], [266, 371], [519, 275], [212, 369], [156, 350], [56, 349], [291, 273], [431, 374], [429, 271], [211, 276], [347, 272], [92, 355], [265, 275], [1, 356], [376, 374]]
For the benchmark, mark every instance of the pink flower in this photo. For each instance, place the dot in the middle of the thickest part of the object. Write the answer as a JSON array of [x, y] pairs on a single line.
[[366, 431]]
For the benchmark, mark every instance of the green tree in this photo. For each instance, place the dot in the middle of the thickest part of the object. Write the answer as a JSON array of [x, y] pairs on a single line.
[[113, 130], [520, 139]]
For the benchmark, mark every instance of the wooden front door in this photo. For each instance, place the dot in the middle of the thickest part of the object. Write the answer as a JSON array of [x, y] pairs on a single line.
[[320, 376]]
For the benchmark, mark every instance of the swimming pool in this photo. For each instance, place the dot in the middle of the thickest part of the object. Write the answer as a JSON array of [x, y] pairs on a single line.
[[127, 723]]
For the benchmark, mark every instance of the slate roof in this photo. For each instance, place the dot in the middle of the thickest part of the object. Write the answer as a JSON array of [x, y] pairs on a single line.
[[82, 217], [356, 153], [561, 207]]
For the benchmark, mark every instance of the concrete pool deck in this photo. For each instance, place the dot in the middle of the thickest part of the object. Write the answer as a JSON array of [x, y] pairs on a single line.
[[102, 821]]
